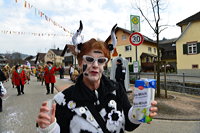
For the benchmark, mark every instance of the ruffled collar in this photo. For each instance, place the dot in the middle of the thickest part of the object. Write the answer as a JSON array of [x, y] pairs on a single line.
[[19, 70]]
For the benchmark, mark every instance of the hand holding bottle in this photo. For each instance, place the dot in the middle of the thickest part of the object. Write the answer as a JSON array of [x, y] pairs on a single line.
[[47, 114]]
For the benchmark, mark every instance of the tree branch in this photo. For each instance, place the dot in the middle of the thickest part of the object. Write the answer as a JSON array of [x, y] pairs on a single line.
[[146, 18], [153, 8], [162, 30]]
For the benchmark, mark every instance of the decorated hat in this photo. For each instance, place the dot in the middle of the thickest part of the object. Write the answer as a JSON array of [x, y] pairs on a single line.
[[78, 45]]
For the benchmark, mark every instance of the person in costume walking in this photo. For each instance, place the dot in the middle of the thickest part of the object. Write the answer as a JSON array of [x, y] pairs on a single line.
[[19, 79], [49, 76]]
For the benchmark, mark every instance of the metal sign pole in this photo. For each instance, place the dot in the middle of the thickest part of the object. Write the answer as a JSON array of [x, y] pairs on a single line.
[[136, 60]]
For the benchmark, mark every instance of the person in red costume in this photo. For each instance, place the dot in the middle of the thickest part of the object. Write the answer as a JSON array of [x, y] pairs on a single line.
[[49, 76], [19, 79]]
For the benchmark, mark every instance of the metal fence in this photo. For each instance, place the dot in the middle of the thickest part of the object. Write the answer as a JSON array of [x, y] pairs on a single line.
[[183, 83]]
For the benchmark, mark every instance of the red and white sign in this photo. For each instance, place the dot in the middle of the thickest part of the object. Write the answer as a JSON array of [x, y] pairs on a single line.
[[136, 39]]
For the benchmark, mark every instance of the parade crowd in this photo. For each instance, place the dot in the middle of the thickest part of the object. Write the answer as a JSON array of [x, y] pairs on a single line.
[[20, 75]]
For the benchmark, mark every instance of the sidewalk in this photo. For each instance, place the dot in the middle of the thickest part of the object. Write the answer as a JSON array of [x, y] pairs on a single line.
[[64, 83]]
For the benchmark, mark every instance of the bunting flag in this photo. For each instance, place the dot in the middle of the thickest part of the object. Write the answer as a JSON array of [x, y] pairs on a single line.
[[29, 5], [25, 4], [7, 32], [43, 15]]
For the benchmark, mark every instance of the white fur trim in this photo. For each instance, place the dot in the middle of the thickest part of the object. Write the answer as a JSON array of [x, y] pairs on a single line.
[[59, 98], [53, 128], [3, 90], [131, 116]]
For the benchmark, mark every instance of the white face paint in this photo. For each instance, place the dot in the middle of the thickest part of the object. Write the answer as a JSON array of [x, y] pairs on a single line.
[[94, 70]]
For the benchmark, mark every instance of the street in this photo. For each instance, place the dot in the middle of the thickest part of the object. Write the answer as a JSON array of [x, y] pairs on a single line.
[[20, 112]]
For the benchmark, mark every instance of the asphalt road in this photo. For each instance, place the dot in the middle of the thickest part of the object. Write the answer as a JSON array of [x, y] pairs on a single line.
[[20, 112]]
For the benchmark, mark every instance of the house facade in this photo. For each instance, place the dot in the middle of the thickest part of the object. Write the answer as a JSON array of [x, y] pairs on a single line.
[[168, 54], [54, 55], [68, 55], [188, 46], [146, 52], [40, 59]]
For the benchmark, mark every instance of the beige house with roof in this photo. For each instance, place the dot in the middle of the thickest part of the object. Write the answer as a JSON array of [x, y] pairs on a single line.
[[188, 46], [146, 52], [54, 55]]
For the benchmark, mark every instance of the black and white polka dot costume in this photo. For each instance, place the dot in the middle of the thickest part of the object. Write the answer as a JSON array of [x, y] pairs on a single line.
[[110, 100]]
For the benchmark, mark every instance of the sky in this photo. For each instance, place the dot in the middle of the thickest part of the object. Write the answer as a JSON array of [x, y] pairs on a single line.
[[38, 34]]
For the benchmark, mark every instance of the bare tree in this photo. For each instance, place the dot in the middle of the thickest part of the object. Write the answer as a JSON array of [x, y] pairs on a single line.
[[157, 28]]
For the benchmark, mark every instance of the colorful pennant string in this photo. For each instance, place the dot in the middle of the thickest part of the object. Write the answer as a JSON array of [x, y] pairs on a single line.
[[33, 33], [42, 14]]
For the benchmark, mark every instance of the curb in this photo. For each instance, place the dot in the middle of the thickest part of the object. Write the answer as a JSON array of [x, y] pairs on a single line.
[[57, 88], [178, 119]]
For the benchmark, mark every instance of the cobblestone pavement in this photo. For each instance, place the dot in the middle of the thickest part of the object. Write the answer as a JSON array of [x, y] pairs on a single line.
[[20, 112]]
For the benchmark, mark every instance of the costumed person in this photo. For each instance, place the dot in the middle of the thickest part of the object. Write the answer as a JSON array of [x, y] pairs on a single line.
[[19, 79], [120, 73], [94, 104], [12, 77], [42, 74], [38, 72], [6, 71], [61, 71], [28, 73], [71, 71], [49, 76], [2, 89], [75, 75]]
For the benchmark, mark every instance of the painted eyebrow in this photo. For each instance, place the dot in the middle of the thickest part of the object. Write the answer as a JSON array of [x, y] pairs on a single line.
[[97, 52]]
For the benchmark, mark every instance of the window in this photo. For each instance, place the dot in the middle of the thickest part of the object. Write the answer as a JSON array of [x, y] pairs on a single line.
[[149, 49], [195, 66], [192, 48], [154, 50], [147, 59], [128, 48], [123, 37], [129, 59]]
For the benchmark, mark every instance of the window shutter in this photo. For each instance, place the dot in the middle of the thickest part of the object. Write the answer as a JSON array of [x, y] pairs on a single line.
[[185, 49], [198, 47]]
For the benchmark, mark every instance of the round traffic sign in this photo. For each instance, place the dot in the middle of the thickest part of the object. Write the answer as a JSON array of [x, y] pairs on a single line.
[[136, 38]]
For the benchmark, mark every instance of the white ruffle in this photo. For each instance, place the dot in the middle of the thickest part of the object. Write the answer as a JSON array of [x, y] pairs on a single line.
[[60, 98], [53, 128]]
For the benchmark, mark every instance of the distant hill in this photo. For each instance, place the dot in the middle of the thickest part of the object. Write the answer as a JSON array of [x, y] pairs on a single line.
[[15, 55]]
